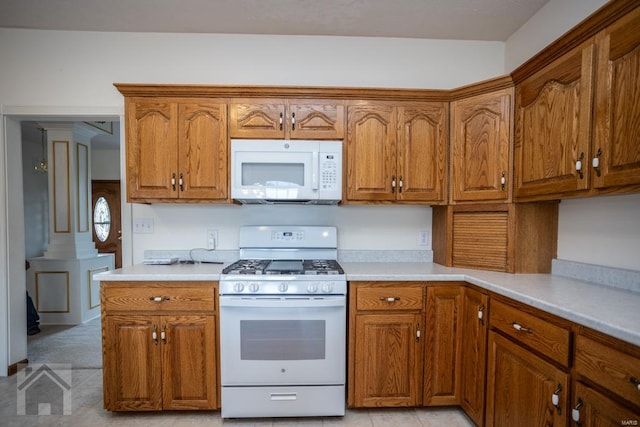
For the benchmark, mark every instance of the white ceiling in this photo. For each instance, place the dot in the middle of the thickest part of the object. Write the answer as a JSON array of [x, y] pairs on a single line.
[[433, 19]]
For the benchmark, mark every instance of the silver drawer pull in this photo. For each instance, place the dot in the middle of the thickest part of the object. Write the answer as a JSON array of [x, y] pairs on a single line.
[[159, 299], [635, 381], [390, 299], [521, 328]]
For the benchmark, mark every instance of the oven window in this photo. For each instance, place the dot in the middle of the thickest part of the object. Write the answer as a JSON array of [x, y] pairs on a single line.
[[270, 174], [282, 339]]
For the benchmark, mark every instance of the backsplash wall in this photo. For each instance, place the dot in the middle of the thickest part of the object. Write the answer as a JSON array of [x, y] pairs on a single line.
[[380, 227]]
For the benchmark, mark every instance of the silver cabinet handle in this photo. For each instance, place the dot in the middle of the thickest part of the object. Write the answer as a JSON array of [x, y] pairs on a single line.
[[280, 121], [293, 121], [595, 162], [181, 183], [163, 334], [390, 299], [154, 335], [555, 398], [159, 299], [393, 184], [579, 165], [575, 412], [173, 182], [400, 185], [481, 314], [635, 381], [518, 327], [503, 179]]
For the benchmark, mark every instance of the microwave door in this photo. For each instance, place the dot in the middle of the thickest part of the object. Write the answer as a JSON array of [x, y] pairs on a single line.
[[274, 176]]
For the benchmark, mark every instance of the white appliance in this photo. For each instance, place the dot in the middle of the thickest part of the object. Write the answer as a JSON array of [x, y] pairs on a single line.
[[286, 171], [283, 325]]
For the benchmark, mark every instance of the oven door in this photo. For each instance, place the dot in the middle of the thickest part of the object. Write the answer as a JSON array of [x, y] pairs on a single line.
[[282, 340]]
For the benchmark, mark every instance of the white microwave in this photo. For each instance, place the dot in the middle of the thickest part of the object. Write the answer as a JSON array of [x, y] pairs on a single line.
[[286, 171]]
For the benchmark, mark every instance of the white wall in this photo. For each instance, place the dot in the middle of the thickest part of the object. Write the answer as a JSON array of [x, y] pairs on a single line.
[[36, 194], [105, 164], [549, 23]]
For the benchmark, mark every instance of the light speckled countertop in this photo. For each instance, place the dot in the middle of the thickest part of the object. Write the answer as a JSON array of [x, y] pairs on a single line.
[[609, 310]]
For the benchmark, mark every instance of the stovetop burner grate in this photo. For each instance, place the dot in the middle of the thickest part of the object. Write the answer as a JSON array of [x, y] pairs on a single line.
[[284, 267]]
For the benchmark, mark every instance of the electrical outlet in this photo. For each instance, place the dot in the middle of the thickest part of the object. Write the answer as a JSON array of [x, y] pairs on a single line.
[[212, 239], [424, 238], [143, 225]]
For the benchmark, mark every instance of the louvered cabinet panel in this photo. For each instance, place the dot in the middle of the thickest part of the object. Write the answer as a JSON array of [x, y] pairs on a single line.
[[480, 240]]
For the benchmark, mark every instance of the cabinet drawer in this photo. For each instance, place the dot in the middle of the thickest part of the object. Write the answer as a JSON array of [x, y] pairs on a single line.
[[550, 340], [158, 299], [390, 298], [609, 367]]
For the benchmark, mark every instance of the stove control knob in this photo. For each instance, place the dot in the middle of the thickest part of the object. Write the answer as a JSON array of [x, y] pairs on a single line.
[[282, 287], [312, 288], [327, 288], [254, 287], [238, 287]]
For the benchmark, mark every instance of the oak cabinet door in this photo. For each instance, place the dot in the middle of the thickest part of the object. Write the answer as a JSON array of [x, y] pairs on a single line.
[[442, 345], [315, 119], [520, 387], [553, 127], [286, 118], [617, 113], [371, 152], [152, 149], [592, 409], [388, 354], [422, 153], [203, 150], [132, 363], [474, 351], [189, 368], [257, 118], [480, 147]]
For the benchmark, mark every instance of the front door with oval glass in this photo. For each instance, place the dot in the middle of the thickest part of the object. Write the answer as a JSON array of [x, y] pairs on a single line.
[[107, 234]]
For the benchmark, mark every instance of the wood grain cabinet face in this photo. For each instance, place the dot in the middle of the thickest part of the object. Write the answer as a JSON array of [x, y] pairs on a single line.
[[553, 126], [520, 387], [385, 350], [593, 409], [442, 343], [290, 119], [481, 147], [176, 149], [397, 153], [475, 324], [617, 106], [154, 362]]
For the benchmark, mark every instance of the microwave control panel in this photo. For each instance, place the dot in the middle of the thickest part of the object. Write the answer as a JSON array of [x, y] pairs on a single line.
[[329, 171]]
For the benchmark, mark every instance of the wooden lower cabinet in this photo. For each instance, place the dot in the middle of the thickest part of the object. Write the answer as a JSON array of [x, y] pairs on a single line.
[[385, 347], [593, 409], [443, 328], [475, 323], [521, 385], [155, 362]]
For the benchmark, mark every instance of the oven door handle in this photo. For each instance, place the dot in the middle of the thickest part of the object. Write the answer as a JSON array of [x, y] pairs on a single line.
[[282, 302]]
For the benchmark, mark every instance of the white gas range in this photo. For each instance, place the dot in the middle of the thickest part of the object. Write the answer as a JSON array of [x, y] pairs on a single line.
[[283, 324]]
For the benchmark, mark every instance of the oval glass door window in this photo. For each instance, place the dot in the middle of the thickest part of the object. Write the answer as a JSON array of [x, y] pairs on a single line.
[[102, 219]]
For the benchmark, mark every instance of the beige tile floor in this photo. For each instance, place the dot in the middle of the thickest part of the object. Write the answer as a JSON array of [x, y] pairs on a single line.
[[87, 410]]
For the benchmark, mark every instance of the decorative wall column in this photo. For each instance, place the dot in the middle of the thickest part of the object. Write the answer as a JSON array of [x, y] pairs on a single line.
[[69, 149], [61, 281]]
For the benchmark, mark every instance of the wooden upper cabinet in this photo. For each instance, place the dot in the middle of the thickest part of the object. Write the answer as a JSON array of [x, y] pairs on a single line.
[[396, 152], [152, 148], [203, 150], [616, 150], [371, 152], [176, 149], [481, 147], [422, 153], [553, 126], [291, 119]]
